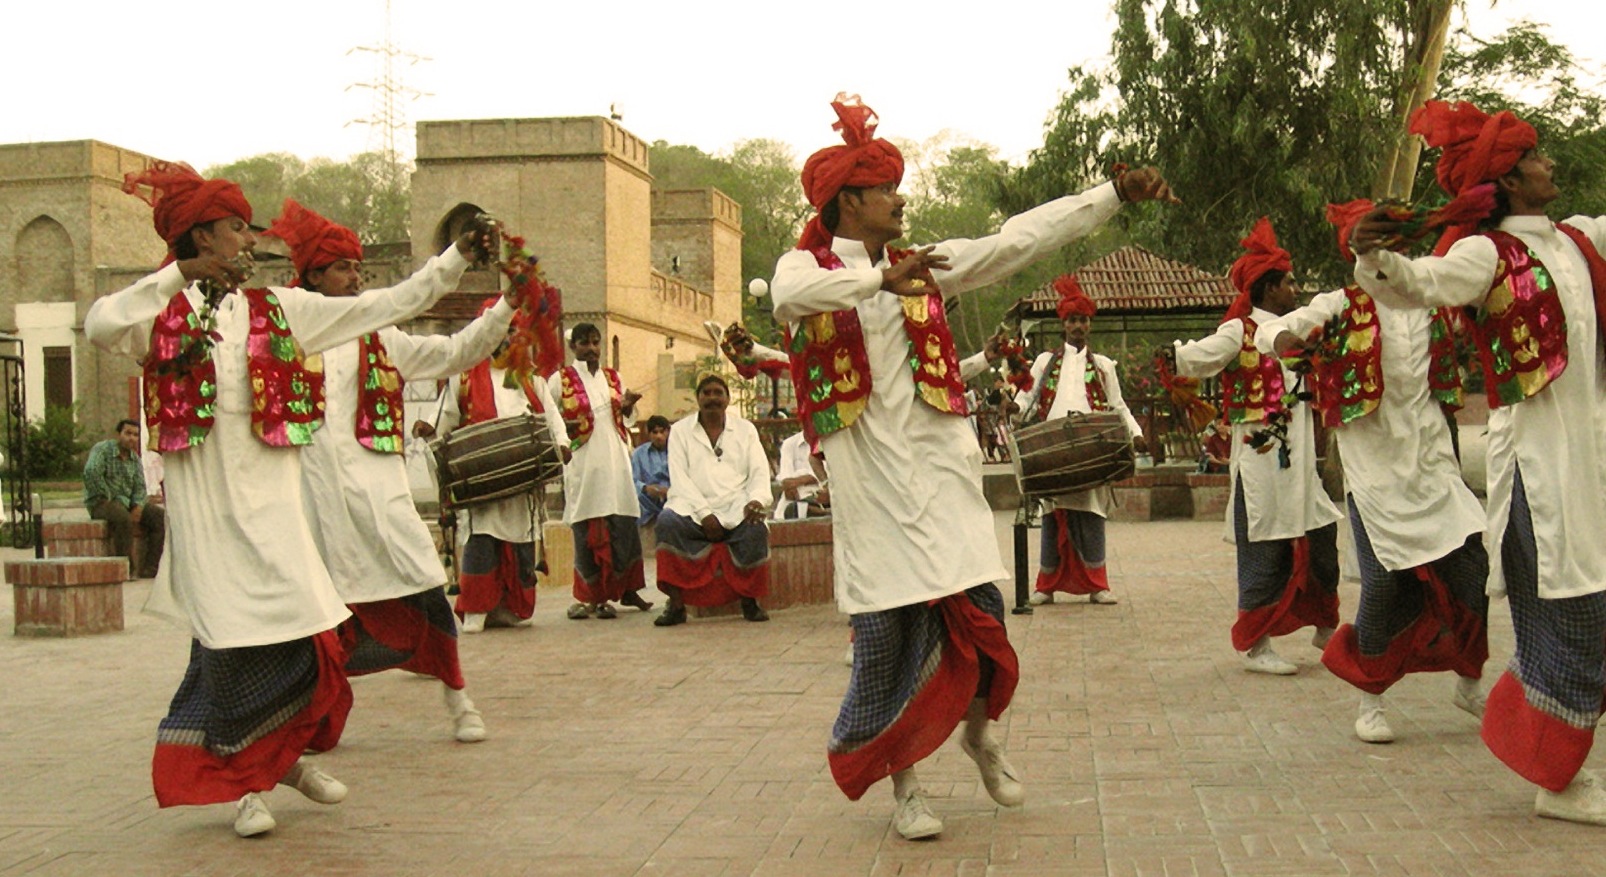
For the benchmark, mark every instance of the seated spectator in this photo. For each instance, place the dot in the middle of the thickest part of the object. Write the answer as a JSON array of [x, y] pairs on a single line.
[[713, 547], [114, 492], [802, 481], [649, 463], [1216, 450]]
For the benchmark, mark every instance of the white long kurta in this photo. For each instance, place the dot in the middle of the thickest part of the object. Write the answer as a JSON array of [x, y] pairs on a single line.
[[1070, 397], [1281, 503], [511, 518], [598, 481], [241, 567], [909, 521], [1558, 437], [358, 501], [703, 482], [1399, 465]]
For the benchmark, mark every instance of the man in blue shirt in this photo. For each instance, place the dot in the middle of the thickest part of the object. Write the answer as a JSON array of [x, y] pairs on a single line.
[[114, 492], [649, 463]]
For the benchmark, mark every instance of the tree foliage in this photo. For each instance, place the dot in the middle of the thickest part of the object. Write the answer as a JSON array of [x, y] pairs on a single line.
[[367, 194], [1270, 107]]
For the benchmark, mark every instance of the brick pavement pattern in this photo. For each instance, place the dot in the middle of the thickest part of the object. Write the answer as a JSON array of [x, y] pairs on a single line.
[[620, 749]]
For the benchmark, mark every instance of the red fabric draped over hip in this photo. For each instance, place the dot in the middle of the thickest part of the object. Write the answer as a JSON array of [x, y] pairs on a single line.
[[483, 592], [1072, 575], [713, 579]]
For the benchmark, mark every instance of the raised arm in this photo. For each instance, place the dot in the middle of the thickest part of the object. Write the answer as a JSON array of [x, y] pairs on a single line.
[[1460, 277], [1301, 321], [1208, 356], [427, 357], [1028, 400], [121, 322], [320, 322], [1024, 239]]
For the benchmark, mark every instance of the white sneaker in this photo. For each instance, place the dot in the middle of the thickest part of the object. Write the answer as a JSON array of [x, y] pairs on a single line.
[[914, 820], [251, 816], [318, 786], [1372, 727], [473, 622], [1321, 636], [1261, 659], [1582, 801], [1039, 598], [1469, 696], [997, 774], [468, 726], [1107, 598]]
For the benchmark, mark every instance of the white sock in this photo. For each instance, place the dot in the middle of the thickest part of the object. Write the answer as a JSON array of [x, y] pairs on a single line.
[[905, 783], [976, 722], [1467, 686], [457, 702], [1371, 701]]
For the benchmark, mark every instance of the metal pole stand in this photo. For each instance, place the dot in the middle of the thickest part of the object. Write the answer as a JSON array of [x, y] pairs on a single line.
[[1023, 524]]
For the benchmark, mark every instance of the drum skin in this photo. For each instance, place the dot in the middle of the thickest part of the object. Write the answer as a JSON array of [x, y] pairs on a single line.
[[496, 459], [1072, 453]]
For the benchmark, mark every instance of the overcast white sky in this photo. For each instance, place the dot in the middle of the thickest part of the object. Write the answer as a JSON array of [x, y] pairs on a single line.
[[270, 77]]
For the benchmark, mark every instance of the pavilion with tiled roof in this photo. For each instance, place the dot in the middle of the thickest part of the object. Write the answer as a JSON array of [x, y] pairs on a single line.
[[1138, 290]]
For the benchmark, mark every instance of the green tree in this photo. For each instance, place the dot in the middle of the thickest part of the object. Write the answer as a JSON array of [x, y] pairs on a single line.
[[367, 193]]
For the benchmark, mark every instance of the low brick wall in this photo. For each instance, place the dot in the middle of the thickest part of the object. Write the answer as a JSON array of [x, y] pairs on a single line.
[[1210, 493], [1153, 494], [78, 539], [802, 571], [67, 596]]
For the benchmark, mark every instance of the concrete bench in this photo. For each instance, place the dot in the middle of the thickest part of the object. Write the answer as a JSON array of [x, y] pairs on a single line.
[[67, 596], [802, 571]]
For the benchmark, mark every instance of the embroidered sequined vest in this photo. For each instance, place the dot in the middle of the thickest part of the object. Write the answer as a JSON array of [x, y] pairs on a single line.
[[1520, 332], [1347, 373], [1096, 398], [1251, 387], [181, 384], [379, 397], [831, 369], [579, 412]]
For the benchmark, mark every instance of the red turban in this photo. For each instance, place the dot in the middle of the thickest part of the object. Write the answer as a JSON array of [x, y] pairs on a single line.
[[181, 199], [315, 242], [1262, 255], [1475, 146], [1072, 299], [864, 160]]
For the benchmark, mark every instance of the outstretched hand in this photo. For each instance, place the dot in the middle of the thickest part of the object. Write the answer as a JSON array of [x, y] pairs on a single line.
[[1146, 184], [1372, 230], [478, 239], [912, 274], [227, 273]]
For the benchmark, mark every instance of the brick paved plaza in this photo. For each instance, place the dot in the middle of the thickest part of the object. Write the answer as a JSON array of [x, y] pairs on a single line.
[[618, 748]]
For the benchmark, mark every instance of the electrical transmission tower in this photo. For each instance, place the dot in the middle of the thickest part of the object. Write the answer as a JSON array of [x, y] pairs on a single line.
[[391, 95]]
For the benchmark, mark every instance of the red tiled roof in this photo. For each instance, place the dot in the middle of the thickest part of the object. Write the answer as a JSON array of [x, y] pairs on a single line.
[[1133, 280]]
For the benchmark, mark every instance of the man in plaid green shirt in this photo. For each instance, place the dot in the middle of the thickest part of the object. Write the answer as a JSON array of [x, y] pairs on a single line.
[[114, 492]]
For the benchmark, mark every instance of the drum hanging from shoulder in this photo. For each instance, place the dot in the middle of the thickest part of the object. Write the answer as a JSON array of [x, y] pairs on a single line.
[[496, 459], [1072, 453]]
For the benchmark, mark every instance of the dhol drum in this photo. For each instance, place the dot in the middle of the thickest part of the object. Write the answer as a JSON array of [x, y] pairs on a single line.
[[496, 459], [1067, 454]]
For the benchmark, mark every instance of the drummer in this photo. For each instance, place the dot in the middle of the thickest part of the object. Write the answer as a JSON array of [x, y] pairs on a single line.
[[1068, 382], [497, 581], [1279, 510], [354, 483]]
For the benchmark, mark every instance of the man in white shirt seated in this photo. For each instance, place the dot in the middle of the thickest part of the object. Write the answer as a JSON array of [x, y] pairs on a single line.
[[713, 547], [802, 481]]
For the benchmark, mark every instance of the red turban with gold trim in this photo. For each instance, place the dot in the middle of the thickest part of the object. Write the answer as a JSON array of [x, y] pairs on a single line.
[[863, 160]]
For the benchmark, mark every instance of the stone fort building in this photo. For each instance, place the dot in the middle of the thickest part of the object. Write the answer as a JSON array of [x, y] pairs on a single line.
[[646, 265]]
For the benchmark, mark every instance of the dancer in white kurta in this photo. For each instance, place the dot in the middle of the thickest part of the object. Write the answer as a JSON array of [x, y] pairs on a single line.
[[599, 487], [379, 553], [1280, 519], [878, 385], [1075, 381], [1536, 285], [1381, 380], [498, 576], [230, 398]]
